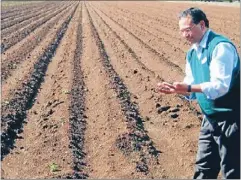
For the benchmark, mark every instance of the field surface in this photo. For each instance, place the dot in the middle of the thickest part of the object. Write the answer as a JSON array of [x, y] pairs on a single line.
[[79, 93]]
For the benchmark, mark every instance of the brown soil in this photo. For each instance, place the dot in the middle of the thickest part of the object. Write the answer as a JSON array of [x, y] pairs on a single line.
[[14, 11], [23, 32], [18, 52], [9, 26], [81, 101]]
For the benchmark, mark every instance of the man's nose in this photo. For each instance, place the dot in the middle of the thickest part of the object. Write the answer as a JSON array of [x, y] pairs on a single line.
[[185, 34]]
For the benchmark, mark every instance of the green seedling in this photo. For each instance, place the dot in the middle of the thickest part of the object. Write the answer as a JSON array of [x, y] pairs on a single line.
[[66, 92], [6, 102], [54, 167], [62, 120]]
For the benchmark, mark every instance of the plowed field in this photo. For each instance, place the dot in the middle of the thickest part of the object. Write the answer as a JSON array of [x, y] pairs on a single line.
[[79, 93]]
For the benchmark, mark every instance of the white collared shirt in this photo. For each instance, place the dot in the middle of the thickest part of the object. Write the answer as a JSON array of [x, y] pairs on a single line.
[[224, 59]]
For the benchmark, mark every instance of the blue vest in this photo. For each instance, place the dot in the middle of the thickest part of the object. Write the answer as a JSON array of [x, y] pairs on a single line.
[[228, 104]]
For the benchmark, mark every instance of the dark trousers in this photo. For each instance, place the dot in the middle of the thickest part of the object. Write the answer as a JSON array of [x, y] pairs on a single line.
[[218, 149]]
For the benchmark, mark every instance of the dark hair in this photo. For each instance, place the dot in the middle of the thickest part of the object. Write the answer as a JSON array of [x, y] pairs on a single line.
[[196, 14]]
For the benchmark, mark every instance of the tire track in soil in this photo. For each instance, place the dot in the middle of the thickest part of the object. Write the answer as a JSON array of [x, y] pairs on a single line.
[[160, 124], [19, 35], [49, 125], [22, 50], [14, 111], [136, 139]]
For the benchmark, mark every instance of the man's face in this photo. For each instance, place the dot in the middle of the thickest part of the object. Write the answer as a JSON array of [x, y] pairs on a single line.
[[193, 33]]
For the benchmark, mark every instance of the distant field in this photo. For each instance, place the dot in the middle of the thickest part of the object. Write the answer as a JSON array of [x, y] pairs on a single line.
[[15, 3], [78, 90], [213, 3]]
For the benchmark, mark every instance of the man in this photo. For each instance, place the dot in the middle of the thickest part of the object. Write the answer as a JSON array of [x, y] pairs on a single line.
[[213, 78]]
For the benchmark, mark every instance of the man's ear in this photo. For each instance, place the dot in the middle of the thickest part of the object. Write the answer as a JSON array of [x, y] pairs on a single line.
[[202, 23]]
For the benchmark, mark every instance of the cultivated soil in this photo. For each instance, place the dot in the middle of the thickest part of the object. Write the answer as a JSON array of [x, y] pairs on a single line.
[[79, 95]]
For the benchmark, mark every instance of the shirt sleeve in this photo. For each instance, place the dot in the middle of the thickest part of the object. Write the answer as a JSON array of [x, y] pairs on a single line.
[[188, 79], [224, 59]]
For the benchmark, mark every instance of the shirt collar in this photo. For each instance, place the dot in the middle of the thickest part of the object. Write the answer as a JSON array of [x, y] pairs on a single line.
[[203, 42]]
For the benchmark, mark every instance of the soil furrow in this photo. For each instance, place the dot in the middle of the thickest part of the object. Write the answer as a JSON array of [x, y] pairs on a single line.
[[166, 8], [14, 38], [21, 10], [136, 139], [158, 74], [157, 122], [155, 19], [158, 60], [19, 76], [130, 50], [77, 121], [5, 9], [20, 21], [158, 44], [10, 26], [104, 115], [156, 41], [79, 97], [22, 50], [14, 111], [173, 56], [148, 23], [48, 125]]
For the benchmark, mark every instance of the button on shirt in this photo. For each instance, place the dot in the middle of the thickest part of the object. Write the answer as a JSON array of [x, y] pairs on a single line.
[[224, 59]]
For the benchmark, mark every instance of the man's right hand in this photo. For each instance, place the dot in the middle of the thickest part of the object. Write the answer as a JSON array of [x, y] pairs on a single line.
[[176, 87], [166, 88]]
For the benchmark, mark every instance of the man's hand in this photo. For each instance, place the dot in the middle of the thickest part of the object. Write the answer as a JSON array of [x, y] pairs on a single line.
[[176, 87], [165, 88]]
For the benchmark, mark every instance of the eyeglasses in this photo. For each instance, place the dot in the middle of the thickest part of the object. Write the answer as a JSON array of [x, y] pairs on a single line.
[[187, 30]]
